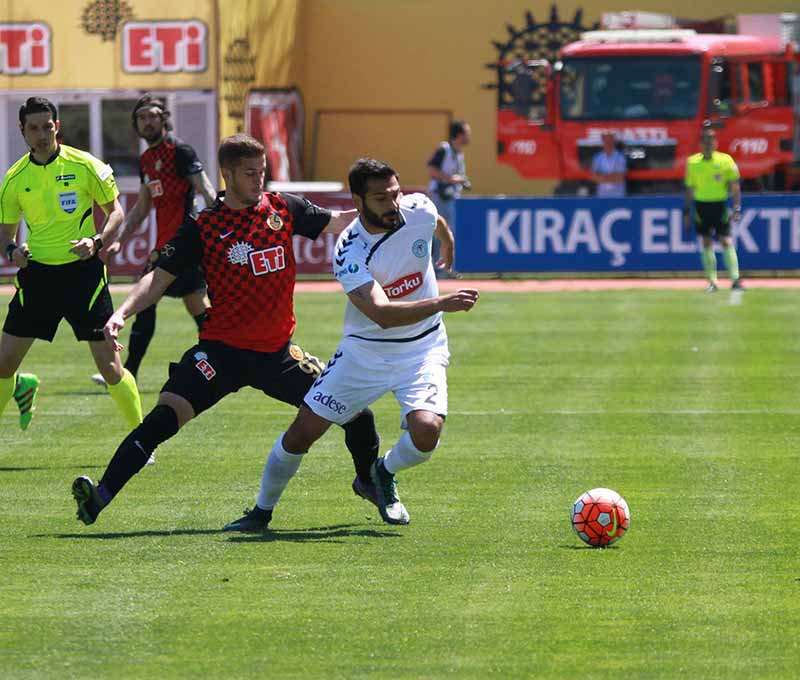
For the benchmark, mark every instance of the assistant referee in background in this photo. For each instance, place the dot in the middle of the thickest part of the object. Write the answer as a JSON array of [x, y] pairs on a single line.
[[60, 274], [711, 178]]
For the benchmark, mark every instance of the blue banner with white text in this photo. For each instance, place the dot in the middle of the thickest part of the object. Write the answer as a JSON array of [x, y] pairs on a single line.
[[636, 234]]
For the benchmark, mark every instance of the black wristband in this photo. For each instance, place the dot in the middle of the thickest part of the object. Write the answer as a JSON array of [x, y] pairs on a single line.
[[98, 243], [10, 248]]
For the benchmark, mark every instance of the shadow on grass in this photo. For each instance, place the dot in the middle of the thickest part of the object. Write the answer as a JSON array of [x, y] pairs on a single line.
[[23, 468], [134, 534], [321, 534], [89, 392], [588, 547]]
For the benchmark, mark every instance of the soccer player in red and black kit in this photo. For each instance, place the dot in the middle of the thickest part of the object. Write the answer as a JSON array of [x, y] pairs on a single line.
[[171, 174], [244, 243]]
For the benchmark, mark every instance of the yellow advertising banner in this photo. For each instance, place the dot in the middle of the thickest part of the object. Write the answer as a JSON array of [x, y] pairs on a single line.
[[108, 44], [260, 46]]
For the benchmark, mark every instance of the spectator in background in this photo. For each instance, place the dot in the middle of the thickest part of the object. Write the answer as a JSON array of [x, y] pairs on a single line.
[[448, 177], [608, 168]]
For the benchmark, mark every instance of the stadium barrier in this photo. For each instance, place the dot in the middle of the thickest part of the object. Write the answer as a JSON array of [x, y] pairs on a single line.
[[564, 234], [635, 234]]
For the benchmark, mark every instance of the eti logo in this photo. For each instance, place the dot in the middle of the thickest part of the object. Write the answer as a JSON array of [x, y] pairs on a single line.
[[155, 188], [203, 366], [164, 46], [267, 260], [24, 49]]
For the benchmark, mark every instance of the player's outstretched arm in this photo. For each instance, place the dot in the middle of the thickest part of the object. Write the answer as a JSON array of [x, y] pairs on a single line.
[[339, 220], [370, 299], [146, 292]]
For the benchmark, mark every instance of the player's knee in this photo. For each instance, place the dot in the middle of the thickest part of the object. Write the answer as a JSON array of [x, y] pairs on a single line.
[[180, 405], [306, 428], [425, 429]]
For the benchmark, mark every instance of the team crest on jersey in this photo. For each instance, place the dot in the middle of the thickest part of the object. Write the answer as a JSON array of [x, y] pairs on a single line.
[[68, 200], [275, 222], [155, 187], [158, 165], [420, 247]]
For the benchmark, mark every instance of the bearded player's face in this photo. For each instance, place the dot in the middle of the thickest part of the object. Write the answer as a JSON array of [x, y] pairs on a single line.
[[150, 124], [246, 179], [381, 204]]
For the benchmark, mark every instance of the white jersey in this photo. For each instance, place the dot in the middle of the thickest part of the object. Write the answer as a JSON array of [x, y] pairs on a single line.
[[400, 262]]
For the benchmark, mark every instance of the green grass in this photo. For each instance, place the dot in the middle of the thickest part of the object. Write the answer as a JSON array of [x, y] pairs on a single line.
[[688, 406]]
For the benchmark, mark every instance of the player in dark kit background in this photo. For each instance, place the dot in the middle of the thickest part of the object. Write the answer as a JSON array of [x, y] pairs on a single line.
[[244, 243], [170, 175]]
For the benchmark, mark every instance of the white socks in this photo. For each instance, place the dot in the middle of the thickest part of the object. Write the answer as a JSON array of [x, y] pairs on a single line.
[[404, 455], [278, 470]]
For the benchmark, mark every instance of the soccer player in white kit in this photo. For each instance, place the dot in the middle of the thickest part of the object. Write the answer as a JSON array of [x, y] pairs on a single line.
[[394, 341]]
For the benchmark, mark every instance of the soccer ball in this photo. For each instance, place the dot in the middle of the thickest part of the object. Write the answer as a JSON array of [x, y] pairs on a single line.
[[600, 517]]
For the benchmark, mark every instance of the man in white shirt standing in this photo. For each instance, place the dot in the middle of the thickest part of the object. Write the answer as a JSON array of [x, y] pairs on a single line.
[[448, 174], [394, 340], [608, 169]]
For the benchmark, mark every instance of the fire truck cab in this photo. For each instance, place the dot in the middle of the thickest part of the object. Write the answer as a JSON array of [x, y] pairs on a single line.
[[655, 89]]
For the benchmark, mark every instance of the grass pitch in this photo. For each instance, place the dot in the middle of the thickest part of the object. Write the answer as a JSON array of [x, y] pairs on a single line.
[[686, 405]]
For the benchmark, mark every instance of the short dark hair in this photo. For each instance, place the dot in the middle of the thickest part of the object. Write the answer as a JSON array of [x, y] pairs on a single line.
[[147, 101], [236, 147], [457, 127], [365, 169], [37, 105]]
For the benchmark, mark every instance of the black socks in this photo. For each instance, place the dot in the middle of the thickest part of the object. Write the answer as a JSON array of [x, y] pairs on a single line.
[[131, 456]]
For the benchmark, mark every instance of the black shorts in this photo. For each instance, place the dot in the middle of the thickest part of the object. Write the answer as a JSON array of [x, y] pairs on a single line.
[[712, 219], [47, 293], [190, 280], [212, 370]]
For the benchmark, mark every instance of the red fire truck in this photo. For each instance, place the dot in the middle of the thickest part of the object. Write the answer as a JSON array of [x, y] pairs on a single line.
[[654, 89]]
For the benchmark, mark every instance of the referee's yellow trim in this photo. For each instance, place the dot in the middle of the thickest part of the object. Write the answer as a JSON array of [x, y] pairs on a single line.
[[19, 290], [100, 286]]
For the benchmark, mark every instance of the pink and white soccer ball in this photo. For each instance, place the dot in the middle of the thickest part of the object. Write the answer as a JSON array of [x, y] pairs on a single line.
[[600, 517]]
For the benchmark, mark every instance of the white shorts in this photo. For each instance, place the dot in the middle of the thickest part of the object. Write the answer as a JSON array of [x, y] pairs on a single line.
[[359, 373]]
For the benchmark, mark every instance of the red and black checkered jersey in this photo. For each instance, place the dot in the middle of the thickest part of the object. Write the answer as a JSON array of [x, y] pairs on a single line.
[[165, 169], [248, 260]]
